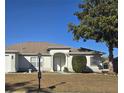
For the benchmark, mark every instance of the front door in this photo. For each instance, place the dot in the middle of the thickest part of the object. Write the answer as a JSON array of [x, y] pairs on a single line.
[[59, 62]]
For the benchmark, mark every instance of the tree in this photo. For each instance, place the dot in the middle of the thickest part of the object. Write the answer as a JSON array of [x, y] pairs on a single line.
[[99, 22], [115, 65]]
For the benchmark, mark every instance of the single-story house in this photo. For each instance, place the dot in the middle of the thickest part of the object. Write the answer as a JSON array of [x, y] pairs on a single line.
[[55, 57]]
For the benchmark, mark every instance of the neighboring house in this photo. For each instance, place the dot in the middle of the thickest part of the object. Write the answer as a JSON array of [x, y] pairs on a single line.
[[23, 56]]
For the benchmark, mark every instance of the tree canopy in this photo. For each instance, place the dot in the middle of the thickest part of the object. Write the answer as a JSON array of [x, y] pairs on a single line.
[[98, 21]]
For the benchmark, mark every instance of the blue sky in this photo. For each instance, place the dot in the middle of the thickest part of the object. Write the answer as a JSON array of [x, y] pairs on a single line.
[[46, 21]]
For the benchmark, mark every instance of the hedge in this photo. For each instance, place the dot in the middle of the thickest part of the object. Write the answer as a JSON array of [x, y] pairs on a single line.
[[79, 63]]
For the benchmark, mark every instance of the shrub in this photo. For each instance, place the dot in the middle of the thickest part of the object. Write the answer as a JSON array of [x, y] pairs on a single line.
[[79, 63], [66, 69]]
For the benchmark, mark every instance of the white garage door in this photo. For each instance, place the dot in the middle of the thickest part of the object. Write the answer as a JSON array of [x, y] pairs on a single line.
[[8, 63]]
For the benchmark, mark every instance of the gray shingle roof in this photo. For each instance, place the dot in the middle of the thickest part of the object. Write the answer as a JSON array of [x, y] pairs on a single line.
[[34, 47], [42, 47]]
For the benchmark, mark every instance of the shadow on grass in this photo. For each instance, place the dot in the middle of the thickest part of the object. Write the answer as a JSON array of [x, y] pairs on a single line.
[[22, 86], [54, 86], [34, 89], [14, 86]]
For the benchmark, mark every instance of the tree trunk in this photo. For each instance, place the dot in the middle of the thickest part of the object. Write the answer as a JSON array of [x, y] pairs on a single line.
[[110, 58]]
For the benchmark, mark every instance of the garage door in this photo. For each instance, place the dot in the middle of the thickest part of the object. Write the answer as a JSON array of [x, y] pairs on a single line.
[[7, 63]]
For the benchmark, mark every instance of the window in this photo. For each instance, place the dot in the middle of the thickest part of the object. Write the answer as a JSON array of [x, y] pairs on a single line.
[[94, 61], [34, 61], [105, 66]]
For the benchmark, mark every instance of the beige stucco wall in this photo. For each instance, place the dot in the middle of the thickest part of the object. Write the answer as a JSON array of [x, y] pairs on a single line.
[[88, 60], [47, 65], [23, 62], [69, 60]]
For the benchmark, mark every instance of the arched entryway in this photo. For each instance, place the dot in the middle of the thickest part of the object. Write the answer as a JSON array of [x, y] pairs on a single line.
[[58, 61]]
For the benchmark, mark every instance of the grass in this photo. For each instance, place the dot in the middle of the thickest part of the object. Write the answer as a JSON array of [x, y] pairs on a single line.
[[54, 82]]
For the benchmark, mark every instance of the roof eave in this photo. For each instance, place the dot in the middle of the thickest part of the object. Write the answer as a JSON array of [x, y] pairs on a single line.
[[35, 54], [11, 51], [85, 53], [57, 48]]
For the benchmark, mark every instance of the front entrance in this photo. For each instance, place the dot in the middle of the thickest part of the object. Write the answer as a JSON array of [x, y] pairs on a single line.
[[58, 62]]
